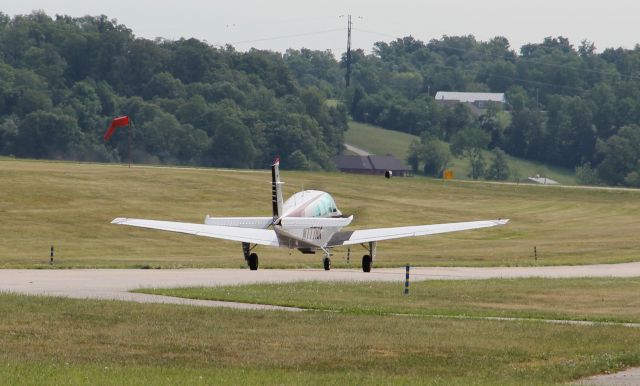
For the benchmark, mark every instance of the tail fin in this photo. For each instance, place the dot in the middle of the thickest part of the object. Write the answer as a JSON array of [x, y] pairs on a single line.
[[276, 189]]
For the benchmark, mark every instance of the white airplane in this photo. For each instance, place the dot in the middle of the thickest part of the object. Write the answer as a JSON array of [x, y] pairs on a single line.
[[308, 221]]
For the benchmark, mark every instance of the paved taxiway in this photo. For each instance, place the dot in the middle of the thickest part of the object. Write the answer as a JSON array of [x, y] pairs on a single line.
[[115, 284]]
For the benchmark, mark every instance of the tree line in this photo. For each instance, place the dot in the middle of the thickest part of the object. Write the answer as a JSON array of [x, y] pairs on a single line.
[[63, 79]]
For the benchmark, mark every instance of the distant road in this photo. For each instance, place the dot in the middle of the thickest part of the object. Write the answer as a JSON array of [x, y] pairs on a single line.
[[356, 150]]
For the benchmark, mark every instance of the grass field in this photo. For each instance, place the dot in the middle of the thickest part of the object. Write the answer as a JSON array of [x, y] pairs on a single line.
[[381, 141], [61, 341], [71, 205], [598, 300]]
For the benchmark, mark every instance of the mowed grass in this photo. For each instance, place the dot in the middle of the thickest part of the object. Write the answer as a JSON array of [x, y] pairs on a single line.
[[380, 141], [588, 299], [377, 140], [71, 205], [53, 340]]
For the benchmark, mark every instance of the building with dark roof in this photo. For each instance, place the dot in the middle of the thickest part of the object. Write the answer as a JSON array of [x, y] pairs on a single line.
[[371, 164]]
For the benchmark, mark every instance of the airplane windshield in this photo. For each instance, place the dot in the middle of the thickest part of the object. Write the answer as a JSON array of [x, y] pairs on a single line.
[[324, 206]]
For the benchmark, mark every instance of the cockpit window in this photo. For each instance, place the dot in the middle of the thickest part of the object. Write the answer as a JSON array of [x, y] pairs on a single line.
[[324, 206]]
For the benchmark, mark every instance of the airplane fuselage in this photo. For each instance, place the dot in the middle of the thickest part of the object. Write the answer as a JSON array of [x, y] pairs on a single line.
[[303, 224]]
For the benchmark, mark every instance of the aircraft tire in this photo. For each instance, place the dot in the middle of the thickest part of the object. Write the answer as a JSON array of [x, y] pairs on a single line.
[[327, 263], [366, 263], [253, 261]]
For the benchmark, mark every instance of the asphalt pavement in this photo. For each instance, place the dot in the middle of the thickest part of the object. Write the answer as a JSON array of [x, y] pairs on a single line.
[[115, 284]]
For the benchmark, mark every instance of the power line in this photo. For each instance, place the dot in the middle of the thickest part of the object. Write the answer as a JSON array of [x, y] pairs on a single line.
[[288, 36], [304, 20]]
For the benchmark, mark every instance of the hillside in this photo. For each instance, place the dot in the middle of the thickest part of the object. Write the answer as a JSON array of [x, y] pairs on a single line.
[[71, 205], [381, 141]]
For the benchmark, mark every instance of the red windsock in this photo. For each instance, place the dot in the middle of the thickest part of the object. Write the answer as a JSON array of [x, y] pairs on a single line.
[[117, 122]]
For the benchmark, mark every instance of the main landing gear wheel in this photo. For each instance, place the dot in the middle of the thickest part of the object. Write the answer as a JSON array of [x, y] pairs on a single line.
[[253, 261], [366, 263], [327, 263]]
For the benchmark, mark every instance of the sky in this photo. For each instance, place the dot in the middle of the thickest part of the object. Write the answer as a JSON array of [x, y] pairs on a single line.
[[281, 24]]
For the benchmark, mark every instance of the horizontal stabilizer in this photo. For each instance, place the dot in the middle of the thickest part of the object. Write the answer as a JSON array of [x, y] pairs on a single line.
[[240, 222], [321, 222], [245, 235], [370, 235]]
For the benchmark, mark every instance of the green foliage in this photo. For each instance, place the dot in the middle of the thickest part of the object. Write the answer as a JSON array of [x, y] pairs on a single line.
[[499, 168], [231, 144], [315, 68], [469, 143], [620, 157], [297, 160], [432, 153], [63, 79], [43, 134], [164, 85], [586, 175]]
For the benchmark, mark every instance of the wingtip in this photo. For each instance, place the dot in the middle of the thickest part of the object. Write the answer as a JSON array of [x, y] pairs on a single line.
[[502, 221], [118, 220]]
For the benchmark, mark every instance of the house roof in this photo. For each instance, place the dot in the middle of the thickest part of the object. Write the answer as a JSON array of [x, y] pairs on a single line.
[[352, 162], [470, 97], [387, 162]]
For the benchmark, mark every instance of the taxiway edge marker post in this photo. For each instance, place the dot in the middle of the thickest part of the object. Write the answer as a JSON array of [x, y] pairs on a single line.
[[406, 280]]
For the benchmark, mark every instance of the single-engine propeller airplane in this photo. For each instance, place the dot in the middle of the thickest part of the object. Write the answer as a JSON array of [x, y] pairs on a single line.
[[308, 221]]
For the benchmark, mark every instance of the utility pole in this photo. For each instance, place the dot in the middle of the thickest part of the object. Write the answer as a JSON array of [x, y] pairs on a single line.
[[348, 76]]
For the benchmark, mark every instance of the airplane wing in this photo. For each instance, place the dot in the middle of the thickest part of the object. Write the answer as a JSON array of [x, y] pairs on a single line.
[[368, 235], [246, 235]]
